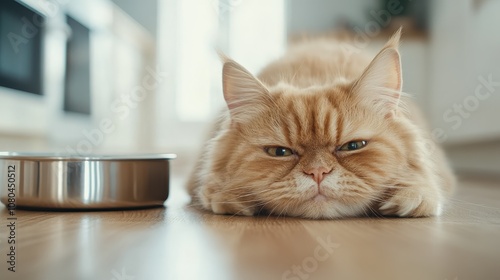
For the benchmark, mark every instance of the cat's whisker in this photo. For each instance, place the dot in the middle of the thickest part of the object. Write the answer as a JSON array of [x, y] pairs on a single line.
[[271, 212], [374, 212]]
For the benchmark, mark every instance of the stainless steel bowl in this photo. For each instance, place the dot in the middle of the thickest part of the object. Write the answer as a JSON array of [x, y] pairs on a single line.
[[83, 182]]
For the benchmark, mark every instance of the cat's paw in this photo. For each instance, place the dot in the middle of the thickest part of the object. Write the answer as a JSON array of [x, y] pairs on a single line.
[[413, 202]]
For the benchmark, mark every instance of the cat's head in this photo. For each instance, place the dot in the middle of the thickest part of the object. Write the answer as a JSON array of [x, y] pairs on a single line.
[[317, 152]]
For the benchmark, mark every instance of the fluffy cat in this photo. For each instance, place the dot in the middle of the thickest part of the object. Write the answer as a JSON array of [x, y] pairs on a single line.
[[323, 132]]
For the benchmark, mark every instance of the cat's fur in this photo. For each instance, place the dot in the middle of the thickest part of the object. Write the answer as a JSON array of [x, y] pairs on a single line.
[[316, 98]]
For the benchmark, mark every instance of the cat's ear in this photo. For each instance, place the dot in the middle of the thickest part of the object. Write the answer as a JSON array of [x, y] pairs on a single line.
[[245, 95], [382, 79]]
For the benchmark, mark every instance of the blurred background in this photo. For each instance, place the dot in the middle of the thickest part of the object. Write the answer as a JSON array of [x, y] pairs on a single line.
[[89, 76]]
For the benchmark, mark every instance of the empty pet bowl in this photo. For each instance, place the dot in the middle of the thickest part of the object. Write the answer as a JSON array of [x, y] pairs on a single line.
[[54, 181]]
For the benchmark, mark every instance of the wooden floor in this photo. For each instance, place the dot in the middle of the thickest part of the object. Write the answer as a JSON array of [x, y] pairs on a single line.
[[177, 242]]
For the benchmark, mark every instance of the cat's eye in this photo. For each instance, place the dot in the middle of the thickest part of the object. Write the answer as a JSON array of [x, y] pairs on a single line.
[[353, 145], [278, 151]]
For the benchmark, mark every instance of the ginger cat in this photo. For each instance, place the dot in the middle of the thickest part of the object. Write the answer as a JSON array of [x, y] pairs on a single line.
[[321, 133]]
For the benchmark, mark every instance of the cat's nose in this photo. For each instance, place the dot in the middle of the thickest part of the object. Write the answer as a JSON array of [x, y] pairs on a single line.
[[318, 173]]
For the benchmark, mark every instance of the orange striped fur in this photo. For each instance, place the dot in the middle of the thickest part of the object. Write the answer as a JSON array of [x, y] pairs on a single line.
[[318, 97]]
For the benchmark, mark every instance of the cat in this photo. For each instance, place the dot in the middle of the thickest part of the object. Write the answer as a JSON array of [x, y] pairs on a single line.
[[324, 132]]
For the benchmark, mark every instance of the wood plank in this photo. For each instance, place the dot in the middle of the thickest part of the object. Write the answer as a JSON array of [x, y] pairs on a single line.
[[179, 242]]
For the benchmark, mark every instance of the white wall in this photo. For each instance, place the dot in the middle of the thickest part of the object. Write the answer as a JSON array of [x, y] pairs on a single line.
[[464, 51]]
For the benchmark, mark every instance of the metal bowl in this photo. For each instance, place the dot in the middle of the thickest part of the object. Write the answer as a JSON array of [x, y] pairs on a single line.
[[54, 181]]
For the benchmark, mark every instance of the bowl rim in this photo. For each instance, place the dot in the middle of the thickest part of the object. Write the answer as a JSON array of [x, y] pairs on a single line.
[[35, 156]]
